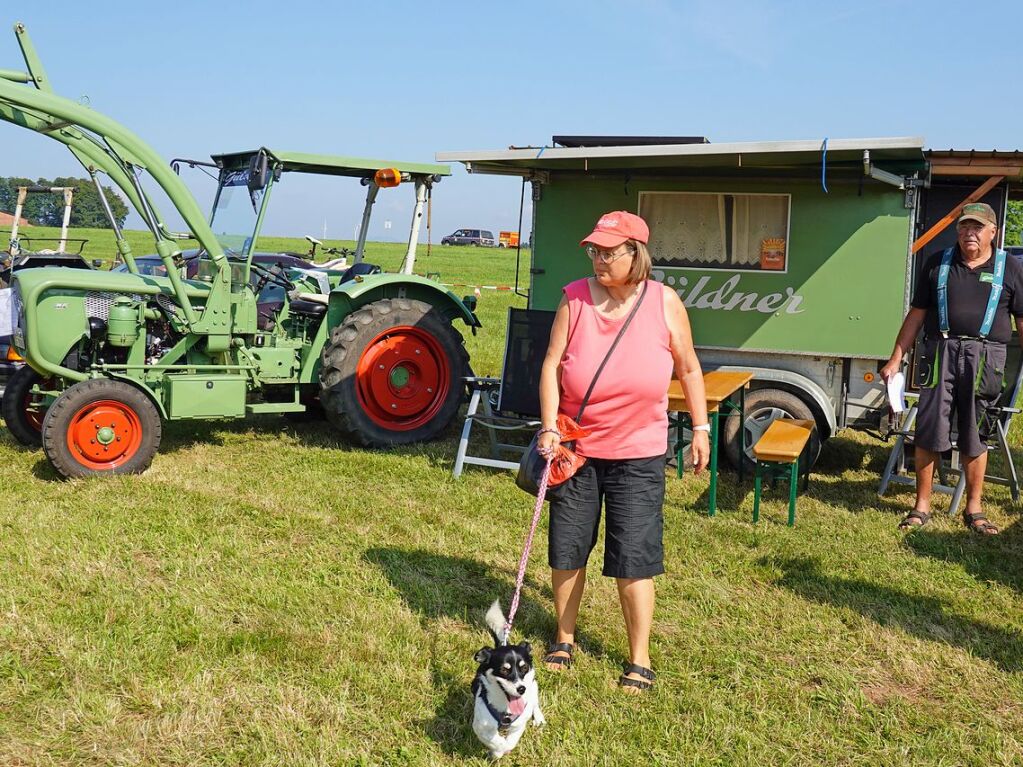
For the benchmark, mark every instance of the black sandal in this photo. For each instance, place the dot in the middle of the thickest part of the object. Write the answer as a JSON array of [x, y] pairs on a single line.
[[978, 523], [923, 516], [632, 668], [550, 659]]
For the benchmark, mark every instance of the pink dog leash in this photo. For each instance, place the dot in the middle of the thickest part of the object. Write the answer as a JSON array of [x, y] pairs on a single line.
[[524, 559]]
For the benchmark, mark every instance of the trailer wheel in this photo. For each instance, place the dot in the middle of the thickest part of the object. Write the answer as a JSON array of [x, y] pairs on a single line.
[[101, 427], [392, 373], [23, 411], [762, 407]]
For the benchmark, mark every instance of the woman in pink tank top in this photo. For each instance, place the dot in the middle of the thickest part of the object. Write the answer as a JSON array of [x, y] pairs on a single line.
[[627, 417]]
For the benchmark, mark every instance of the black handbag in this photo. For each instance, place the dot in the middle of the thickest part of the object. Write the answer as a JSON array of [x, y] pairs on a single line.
[[532, 465]]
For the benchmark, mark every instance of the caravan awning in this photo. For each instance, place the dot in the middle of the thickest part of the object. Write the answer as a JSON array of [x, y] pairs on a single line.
[[758, 155], [977, 162]]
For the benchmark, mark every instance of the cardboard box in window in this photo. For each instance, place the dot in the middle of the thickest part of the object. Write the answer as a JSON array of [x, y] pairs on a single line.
[[772, 254]]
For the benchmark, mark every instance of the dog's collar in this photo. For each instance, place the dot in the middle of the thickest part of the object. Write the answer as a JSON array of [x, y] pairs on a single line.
[[504, 720]]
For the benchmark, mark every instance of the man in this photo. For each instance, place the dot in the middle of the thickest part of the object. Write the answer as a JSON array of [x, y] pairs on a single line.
[[963, 300]]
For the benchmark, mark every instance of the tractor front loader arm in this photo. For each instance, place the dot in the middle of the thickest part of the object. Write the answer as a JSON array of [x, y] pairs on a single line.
[[122, 154]]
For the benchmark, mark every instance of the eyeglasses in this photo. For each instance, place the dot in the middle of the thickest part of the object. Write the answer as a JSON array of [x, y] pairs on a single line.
[[606, 256]]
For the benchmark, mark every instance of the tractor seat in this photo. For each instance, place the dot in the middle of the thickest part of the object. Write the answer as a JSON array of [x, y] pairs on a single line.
[[316, 309], [308, 308]]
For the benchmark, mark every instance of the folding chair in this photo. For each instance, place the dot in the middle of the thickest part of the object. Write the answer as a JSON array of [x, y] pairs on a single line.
[[512, 402], [895, 470]]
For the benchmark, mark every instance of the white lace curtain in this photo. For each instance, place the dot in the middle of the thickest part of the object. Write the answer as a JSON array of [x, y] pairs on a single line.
[[756, 218], [685, 227], [691, 228]]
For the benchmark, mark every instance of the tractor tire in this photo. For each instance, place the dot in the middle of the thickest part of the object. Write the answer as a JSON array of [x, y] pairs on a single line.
[[392, 373], [101, 426], [762, 407], [21, 409]]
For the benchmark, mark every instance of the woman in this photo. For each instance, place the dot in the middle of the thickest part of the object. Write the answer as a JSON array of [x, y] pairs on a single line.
[[628, 423]]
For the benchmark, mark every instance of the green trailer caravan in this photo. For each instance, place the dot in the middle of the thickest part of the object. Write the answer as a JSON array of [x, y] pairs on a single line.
[[795, 259]]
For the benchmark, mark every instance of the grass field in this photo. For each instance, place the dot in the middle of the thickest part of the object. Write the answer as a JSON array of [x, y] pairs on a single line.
[[266, 594]]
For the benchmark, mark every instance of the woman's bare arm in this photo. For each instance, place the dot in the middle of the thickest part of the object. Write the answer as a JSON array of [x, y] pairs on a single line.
[[688, 371], [550, 395]]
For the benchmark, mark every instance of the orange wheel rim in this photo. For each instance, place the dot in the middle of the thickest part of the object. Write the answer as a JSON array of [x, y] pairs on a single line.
[[104, 435], [403, 378]]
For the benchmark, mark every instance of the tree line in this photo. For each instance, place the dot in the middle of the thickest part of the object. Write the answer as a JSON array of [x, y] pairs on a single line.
[[48, 209], [1014, 223]]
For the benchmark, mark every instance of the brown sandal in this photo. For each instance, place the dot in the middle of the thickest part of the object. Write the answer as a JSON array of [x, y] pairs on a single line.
[[559, 661], [641, 684], [915, 520], [978, 523]]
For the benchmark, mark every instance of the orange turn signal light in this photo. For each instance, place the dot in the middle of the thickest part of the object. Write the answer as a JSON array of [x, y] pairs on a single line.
[[386, 178], [13, 356], [868, 377]]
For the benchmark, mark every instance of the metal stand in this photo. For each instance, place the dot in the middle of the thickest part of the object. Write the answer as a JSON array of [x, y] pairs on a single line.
[[482, 388]]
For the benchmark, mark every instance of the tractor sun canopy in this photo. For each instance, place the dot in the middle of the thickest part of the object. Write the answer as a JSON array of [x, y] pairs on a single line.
[[329, 165]]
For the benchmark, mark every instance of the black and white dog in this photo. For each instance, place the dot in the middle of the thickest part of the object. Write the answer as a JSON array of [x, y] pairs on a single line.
[[504, 691]]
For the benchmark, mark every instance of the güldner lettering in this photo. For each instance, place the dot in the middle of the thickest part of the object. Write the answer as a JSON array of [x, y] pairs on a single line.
[[728, 298]]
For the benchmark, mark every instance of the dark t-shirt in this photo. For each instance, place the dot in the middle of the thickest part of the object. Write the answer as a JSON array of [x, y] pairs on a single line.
[[968, 293]]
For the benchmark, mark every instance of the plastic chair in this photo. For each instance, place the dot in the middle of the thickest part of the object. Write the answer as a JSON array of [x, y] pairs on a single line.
[[511, 402]]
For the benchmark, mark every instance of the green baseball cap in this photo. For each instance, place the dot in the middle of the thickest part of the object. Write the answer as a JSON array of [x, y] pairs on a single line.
[[978, 211]]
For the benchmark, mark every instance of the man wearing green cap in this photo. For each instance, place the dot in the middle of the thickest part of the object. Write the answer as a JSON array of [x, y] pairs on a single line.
[[963, 300]]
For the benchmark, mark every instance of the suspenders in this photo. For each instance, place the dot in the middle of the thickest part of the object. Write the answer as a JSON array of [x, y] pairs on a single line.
[[992, 299]]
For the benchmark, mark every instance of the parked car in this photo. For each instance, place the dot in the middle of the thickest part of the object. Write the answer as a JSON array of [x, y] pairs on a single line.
[[1016, 251], [271, 295], [475, 237], [153, 265]]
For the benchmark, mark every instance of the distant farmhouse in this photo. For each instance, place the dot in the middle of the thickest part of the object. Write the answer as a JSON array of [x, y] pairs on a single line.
[[6, 219]]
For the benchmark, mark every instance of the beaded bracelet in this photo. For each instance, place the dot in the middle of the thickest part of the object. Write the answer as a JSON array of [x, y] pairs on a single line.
[[549, 431]]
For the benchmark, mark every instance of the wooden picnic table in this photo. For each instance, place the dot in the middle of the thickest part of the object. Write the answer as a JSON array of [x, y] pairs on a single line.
[[720, 388]]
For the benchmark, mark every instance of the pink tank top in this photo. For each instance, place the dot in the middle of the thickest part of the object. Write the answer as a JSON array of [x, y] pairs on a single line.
[[627, 412]]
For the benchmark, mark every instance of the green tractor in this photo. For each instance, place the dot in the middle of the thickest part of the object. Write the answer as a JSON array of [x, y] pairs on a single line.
[[112, 355]]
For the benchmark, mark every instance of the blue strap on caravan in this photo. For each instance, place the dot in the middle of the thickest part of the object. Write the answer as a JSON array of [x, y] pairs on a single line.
[[992, 299], [824, 166]]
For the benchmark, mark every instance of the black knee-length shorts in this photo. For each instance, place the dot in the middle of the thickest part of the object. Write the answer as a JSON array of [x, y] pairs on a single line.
[[632, 495], [962, 382]]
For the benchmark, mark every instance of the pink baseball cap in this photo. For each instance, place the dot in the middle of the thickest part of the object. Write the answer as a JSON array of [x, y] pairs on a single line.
[[616, 227]]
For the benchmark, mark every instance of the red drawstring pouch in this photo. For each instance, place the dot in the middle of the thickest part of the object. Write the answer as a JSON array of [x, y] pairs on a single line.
[[565, 463]]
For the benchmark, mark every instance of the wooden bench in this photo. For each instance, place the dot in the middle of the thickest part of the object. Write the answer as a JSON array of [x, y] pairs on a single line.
[[778, 453]]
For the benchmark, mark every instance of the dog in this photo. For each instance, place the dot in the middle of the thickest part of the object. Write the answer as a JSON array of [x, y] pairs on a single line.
[[505, 693]]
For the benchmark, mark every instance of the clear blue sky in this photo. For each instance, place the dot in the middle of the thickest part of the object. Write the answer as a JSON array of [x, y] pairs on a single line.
[[404, 80]]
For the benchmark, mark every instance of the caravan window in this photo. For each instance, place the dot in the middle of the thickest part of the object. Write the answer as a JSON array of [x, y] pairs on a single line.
[[717, 230]]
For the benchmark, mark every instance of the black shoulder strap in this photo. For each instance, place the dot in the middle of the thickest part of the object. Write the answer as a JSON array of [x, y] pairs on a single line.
[[586, 399]]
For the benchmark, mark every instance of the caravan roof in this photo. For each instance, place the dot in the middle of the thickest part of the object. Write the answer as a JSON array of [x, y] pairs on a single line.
[[773, 155]]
